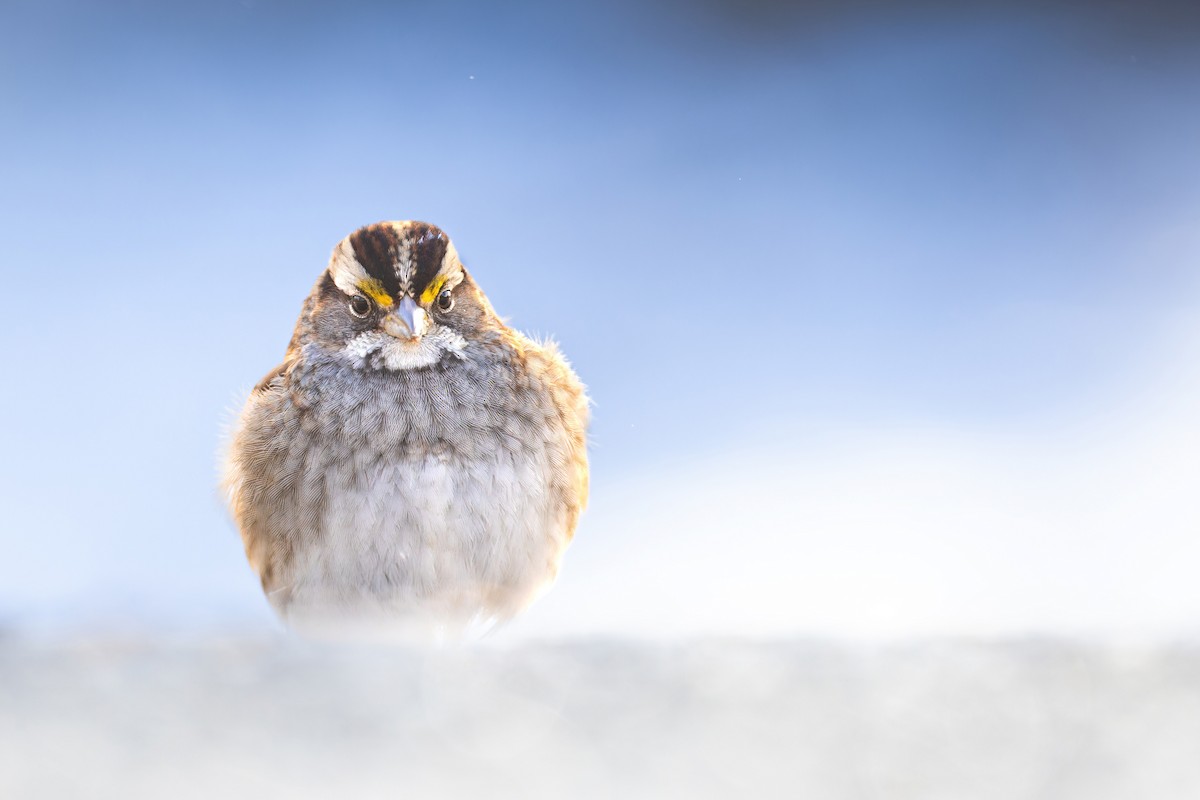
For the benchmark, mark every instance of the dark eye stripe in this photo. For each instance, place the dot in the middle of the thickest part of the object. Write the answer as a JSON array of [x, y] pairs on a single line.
[[429, 248], [375, 248]]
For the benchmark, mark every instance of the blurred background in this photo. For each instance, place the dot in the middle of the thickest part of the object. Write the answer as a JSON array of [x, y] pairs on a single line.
[[889, 312]]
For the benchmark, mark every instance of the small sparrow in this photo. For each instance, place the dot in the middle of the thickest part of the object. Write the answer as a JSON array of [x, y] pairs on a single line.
[[414, 463]]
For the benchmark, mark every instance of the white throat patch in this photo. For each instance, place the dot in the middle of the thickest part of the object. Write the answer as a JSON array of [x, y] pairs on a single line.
[[396, 353]]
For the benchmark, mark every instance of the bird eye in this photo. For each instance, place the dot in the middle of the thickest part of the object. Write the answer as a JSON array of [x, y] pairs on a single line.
[[445, 300], [360, 306]]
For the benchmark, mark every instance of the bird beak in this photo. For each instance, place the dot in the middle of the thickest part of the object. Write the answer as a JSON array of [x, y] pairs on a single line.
[[407, 321]]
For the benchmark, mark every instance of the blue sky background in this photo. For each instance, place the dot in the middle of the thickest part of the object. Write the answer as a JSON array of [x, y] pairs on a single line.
[[823, 267]]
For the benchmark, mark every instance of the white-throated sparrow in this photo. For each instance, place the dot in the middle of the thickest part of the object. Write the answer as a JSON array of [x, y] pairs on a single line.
[[413, 460]]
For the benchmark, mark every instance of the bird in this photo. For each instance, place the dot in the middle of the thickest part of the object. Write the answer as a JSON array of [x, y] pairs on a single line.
[[414, 465]]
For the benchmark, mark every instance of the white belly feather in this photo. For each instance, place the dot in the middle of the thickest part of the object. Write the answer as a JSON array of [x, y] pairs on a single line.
[[454, 539]]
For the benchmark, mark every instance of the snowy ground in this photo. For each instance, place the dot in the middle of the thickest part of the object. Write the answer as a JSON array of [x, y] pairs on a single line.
[[134, 718]]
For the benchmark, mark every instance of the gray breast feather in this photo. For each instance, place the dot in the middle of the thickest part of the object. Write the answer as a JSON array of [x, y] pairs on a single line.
[[439, 495]]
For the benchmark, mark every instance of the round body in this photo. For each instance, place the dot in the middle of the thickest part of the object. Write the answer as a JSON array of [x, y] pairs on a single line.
[[431, 495]]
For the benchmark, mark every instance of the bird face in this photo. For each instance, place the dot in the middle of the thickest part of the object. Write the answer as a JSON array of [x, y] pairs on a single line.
[[395, 296]]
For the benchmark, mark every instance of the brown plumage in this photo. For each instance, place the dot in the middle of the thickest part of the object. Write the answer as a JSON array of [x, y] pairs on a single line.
[[418, 466]]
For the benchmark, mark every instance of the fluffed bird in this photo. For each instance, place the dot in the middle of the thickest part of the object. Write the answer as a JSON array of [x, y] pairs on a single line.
[[414, 464]]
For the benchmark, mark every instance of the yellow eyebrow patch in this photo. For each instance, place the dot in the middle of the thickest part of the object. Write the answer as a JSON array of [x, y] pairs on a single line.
[[433, 289], [374, 289]]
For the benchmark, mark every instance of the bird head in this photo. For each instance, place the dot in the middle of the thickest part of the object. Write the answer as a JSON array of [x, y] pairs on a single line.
[[395, 296]]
